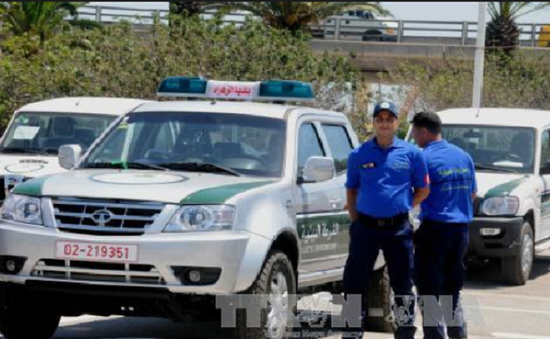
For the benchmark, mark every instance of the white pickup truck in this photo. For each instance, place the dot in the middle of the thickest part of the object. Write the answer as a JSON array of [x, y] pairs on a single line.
[[511, 150], [29, 146], [183, 201], [356, 25]]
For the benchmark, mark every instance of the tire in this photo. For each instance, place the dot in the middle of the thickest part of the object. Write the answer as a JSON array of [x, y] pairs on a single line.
[[276, 268], [24, 317], [372, 35], [379, 297], [516, 270]]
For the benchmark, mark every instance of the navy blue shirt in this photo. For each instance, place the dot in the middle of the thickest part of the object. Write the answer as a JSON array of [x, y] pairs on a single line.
[[385, 177], [453, 181]]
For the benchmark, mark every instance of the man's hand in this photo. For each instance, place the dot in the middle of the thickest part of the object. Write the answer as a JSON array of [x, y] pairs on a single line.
[[420, 194], [352, 203]]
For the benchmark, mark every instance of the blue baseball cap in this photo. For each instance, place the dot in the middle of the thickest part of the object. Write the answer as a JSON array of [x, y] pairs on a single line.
[[385, 106]]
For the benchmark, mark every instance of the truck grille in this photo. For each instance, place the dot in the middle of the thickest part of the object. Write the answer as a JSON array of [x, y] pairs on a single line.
[[74, 270], [101, 217]]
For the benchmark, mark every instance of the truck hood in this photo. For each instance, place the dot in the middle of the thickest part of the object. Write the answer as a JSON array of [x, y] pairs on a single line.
[[29, 166], [153, 186], [493, 184]]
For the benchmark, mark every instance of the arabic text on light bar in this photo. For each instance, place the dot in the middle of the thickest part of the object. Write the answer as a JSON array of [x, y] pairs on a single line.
[[273, 90]]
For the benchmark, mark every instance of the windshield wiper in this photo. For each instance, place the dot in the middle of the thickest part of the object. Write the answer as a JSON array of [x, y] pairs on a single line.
[[494, 168], [47, 151], [126, 165], [200, 167]]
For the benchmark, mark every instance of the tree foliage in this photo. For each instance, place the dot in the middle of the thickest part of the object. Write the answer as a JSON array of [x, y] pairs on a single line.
[[502, 31], [116, 62], [295, 16], [187, 9], [524, 83], [36, 18]]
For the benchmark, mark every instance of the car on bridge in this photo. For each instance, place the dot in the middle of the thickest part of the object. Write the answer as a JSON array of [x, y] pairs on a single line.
[[180, 202], [356, 25], [29, 146], [511, 151]]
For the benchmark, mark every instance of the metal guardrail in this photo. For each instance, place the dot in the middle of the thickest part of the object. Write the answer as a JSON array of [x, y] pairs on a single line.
[[462, 33]]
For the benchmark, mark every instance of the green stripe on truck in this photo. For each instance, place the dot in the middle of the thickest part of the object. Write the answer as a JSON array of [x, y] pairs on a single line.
[[219, 195]]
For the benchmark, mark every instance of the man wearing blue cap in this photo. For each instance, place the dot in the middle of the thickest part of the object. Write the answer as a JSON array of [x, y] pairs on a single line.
[[386, 178], [442, 239]]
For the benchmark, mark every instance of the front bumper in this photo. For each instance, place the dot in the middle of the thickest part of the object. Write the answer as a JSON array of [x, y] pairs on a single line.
[[506, 244], [238, 254]]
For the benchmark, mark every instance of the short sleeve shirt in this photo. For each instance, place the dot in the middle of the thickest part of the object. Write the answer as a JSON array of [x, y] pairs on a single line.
[[385, 178], [453, 181]]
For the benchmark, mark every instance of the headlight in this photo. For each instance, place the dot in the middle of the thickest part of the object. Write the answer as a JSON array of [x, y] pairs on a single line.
[[501, 206], [202, 218], [22, 208]]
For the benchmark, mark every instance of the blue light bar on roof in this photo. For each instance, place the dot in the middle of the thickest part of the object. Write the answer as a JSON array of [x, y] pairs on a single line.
[[286, 90], [183, 87], [273, 90]]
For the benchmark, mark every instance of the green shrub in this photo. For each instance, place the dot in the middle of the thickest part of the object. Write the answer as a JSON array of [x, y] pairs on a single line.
[[116, 62]]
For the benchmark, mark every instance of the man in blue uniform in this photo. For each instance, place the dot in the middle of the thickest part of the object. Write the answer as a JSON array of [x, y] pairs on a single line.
[[386, 178], [442, 239]]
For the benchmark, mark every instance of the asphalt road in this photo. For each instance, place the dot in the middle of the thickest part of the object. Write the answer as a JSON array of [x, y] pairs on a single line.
[[493, 310]]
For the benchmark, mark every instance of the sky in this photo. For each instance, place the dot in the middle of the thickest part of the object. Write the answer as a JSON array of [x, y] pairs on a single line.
[[437, 11]]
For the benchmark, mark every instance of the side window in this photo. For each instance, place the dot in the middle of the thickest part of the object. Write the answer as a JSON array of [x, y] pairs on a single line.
[[309, 145], [545, 153], [340, 145]]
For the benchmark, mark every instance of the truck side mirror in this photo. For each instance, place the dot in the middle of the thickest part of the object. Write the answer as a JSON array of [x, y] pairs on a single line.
[[68, 156], [317, 169]]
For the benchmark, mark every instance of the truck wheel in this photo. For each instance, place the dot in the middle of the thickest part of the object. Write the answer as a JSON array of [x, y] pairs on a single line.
[[516, 270], [379, 301], [24, 317], [372, 35], [277, 282]]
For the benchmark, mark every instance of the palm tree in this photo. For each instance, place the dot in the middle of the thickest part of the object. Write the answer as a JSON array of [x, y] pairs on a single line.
[[181, 10], [502, 31], [295, 16], [187, 9], [40, 18]]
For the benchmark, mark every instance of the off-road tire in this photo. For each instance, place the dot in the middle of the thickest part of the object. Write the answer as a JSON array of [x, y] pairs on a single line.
[[512, 268], [276, 262], [24, 316]]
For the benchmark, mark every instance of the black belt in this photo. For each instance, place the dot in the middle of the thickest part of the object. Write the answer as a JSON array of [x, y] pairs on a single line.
[[373, 222]]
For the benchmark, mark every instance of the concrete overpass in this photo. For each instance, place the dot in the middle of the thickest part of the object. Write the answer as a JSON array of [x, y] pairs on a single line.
[[393, 41]]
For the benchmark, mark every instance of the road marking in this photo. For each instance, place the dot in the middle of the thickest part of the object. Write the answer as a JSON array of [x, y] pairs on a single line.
[[517, 336], [514, 296], [505, 309]]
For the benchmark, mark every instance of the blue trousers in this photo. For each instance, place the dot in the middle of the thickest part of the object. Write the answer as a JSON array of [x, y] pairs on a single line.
[[439, 275], [396, 243]]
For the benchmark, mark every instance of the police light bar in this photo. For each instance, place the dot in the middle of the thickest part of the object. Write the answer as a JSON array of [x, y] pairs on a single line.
[[273, 90]]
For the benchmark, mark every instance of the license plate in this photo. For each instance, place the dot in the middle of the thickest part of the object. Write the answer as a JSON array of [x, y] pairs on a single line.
[[96, 252]]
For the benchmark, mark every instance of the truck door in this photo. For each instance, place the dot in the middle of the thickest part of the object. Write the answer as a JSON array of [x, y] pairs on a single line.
[[315, 205]]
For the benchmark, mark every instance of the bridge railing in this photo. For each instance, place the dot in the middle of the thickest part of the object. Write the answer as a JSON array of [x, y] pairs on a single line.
[[462, 33]]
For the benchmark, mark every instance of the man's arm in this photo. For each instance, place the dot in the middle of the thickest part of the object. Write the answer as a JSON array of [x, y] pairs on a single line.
[[420, 194], [421, 179], [352, 203]]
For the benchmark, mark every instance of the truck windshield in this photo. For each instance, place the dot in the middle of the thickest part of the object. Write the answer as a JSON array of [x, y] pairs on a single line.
[[493, 148], [230, 144], [44, 133]]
